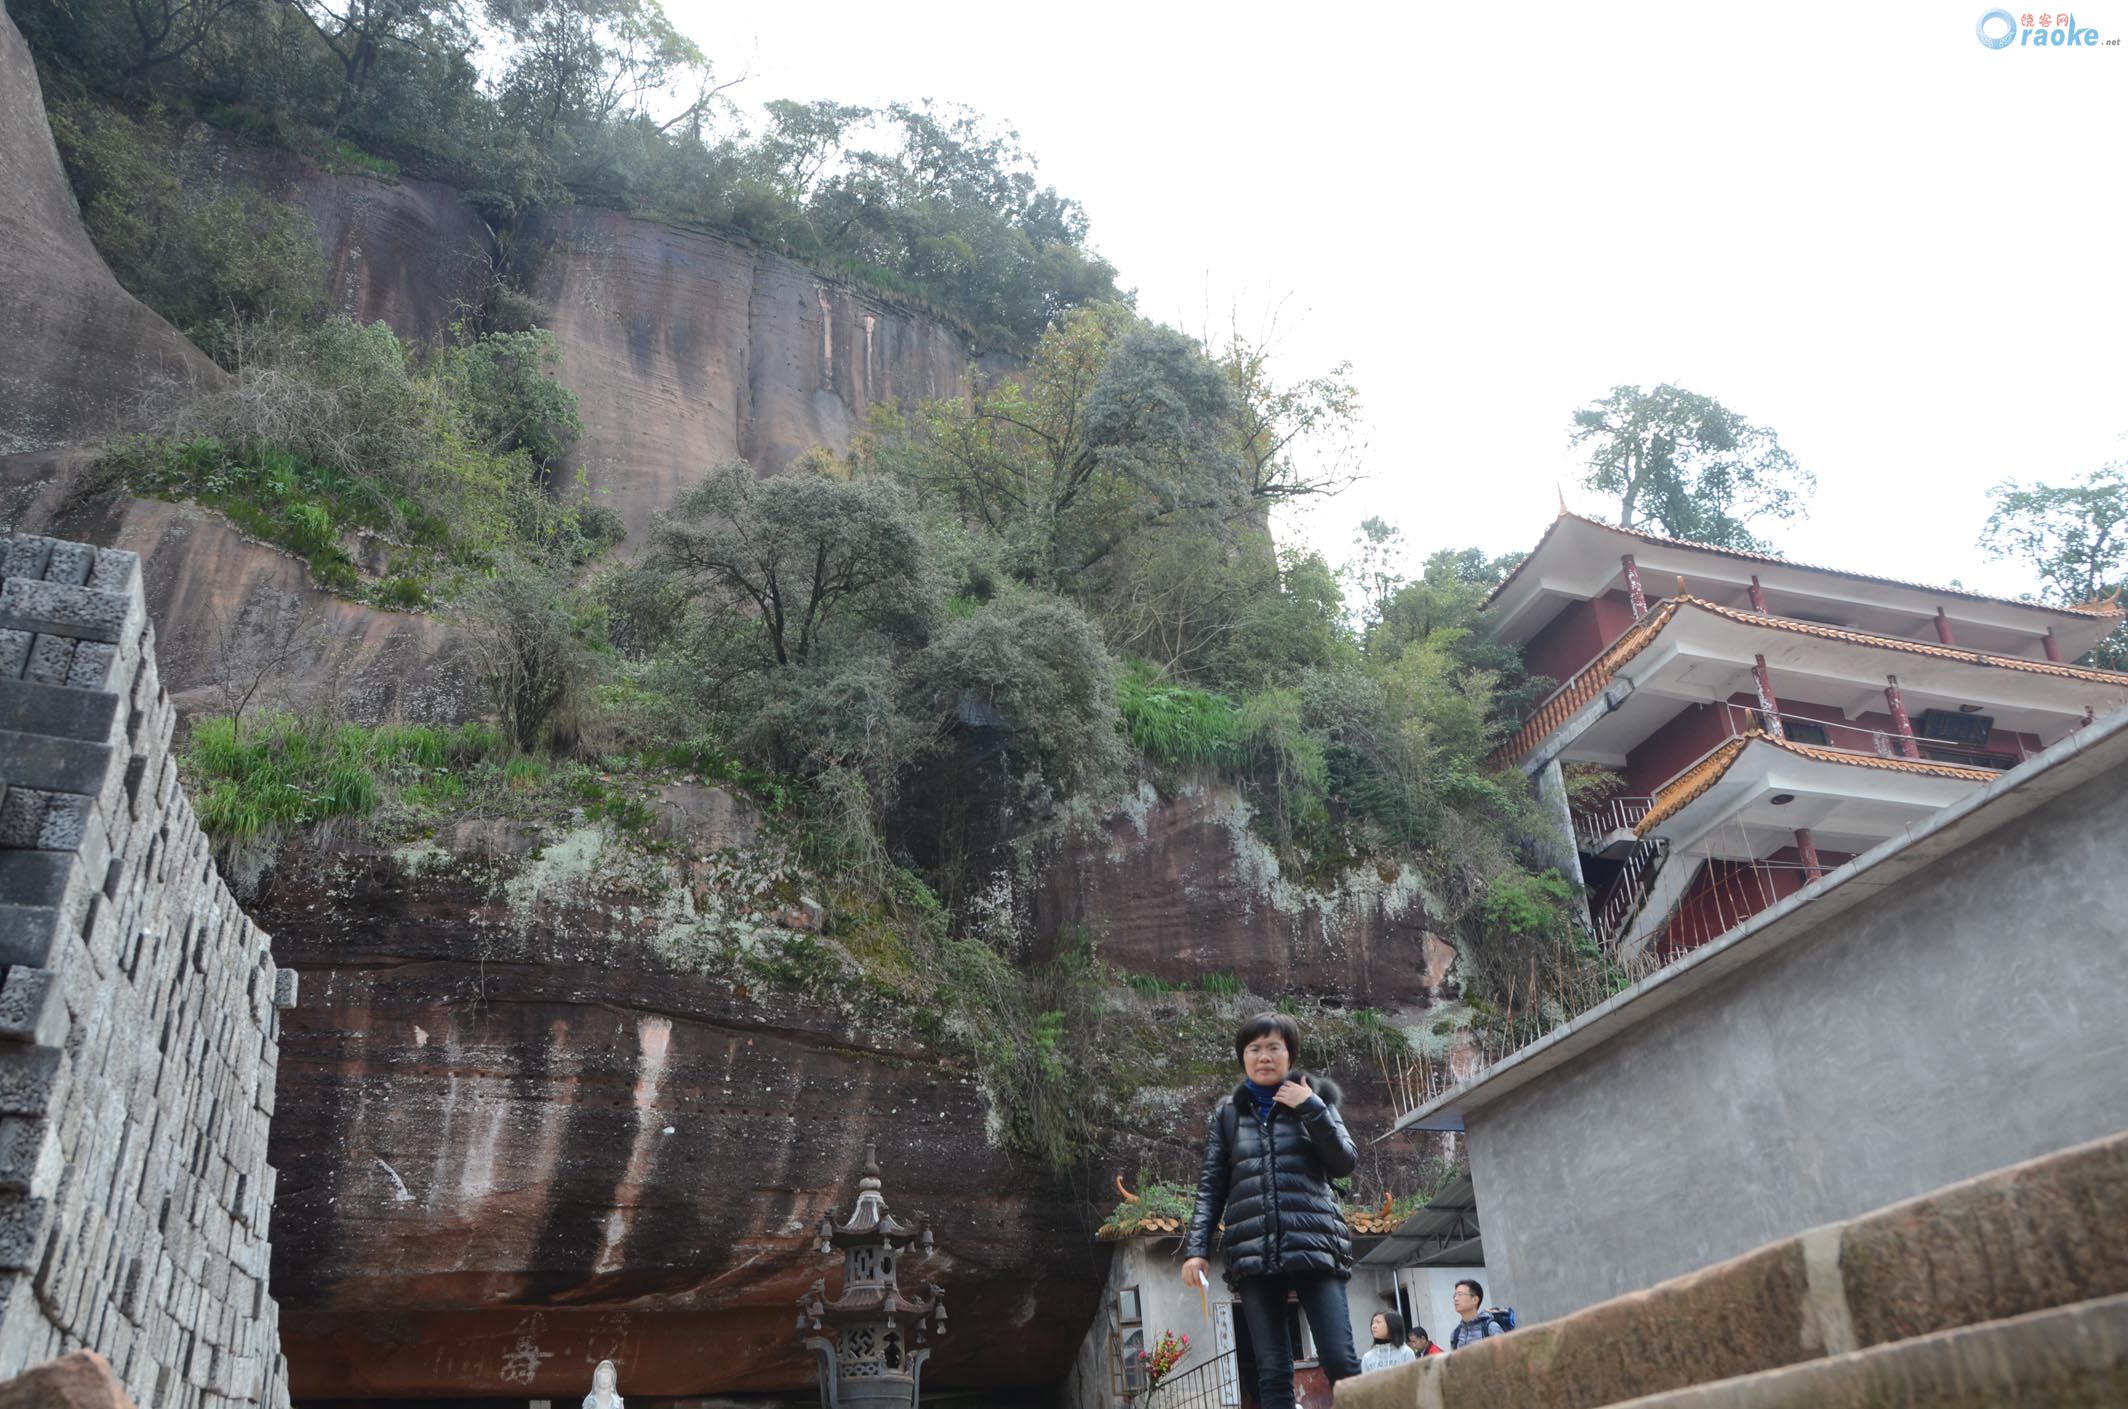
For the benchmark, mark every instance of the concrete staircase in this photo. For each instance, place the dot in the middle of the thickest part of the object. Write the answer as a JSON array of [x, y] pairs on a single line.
[[2003, 1292]]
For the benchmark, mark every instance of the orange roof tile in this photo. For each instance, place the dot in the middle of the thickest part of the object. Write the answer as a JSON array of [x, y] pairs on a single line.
[[1691, 784]]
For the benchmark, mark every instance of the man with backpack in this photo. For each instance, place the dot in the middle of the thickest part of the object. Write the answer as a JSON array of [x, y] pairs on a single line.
[[1475, 1324]]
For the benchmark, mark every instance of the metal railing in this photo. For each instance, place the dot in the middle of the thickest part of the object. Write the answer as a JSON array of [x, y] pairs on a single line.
[[1628, 893], [1213, 1385], [1843, 737]]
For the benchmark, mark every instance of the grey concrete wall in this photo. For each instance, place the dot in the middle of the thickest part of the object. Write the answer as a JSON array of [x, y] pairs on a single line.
[[1967, 1017], [138, 1015]]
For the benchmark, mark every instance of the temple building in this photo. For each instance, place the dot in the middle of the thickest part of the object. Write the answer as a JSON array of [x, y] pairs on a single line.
[[1728, 725]]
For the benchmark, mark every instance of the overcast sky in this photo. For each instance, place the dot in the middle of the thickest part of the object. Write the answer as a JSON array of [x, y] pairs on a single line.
[[1855, 223]]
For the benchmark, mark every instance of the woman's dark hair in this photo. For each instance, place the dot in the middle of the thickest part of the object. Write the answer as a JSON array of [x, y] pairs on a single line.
[[1394, 1324], [1264, 1025]]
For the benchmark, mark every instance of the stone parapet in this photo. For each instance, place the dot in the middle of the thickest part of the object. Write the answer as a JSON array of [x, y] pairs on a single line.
[[139, 1025], [2024, 1242]]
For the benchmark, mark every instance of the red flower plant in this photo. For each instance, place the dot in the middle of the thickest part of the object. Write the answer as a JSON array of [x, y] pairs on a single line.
[[1166, 1354]]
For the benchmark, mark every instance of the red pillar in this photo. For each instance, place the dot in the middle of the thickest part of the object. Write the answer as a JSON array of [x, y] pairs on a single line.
[[1640, 598], [1769, 707], [1808, 846], [2053, 647], [1943, 629], [1900, 722], [1758, 596]]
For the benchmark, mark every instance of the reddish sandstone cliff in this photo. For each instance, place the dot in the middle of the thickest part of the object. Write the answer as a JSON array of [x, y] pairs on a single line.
[[81, 353]]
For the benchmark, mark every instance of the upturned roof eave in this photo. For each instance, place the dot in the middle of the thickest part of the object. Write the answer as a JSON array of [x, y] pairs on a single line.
[[2086, 612]]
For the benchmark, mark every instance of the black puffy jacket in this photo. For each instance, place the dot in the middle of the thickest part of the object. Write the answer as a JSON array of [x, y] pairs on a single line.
[[1272, 1183]]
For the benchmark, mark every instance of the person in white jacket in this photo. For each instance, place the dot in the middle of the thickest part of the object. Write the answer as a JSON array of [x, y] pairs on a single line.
[[1388, 1348]]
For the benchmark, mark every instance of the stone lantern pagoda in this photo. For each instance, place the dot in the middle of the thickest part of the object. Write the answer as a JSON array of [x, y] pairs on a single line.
[[870, 1337]]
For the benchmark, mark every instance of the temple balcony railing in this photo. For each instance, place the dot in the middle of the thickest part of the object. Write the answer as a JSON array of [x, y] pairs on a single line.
[[1862, 740]]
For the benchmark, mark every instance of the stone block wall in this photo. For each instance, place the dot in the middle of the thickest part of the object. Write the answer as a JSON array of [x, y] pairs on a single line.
[[139, 1022]]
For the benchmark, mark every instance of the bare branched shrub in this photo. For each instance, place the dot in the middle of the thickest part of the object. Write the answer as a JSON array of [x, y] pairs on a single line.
[[532, 664]]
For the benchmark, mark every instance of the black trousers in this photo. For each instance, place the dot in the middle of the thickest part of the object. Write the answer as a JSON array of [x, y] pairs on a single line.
[[1322, 1301]]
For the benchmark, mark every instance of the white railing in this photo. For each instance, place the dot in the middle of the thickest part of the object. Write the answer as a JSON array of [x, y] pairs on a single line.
[[1628, 893], [1597, 827]]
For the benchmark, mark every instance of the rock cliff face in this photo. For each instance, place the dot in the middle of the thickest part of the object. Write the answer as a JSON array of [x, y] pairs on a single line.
[[225, 601], [531, 1117], [519, 1132], [409, 252], [82, 352], [688, 350], [1180, 887]]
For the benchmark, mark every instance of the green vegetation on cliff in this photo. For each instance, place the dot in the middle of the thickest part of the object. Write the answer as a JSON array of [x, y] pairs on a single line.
[[392, 476], [525, 104]]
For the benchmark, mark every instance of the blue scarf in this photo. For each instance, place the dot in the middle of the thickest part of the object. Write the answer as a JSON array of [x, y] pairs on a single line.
[[1265, 1099]]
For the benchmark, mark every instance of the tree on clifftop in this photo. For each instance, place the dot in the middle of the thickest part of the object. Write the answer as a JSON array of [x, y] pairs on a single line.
[[1120, 429], [1688, 466], [2074, 536]]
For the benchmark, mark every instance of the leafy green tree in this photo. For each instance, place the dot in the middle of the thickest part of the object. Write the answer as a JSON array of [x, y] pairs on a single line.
[[803, 142], [589, 62], [513, 402], [209, 256], [362, 36], [1304, 432], [803, 554], [2073, 536], [1117, 430], [532, 663], [1688, 465], [1039, 662], [1441, 609]]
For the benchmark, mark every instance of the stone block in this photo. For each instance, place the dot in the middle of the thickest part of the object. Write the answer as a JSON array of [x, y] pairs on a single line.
[[34, 707], [82, 1379], [116, 570], [51, 659], [26, 933], [14, 653], [30, 1010], [91, 670], [23, 1219], [1733, 1318], [55, 765], [40, 880], [66, 822], [29, 1078], [284, 989], [2072, 1358], [2043, 1233], [59, 609], [25, 555], [22, 816], [69, 563], [29, 1157]]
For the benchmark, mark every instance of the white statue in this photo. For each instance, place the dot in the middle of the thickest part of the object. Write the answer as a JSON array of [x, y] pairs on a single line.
[[605, 1390]]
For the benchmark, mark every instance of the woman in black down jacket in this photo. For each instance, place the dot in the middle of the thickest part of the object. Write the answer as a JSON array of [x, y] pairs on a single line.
[[1270, 1154]]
